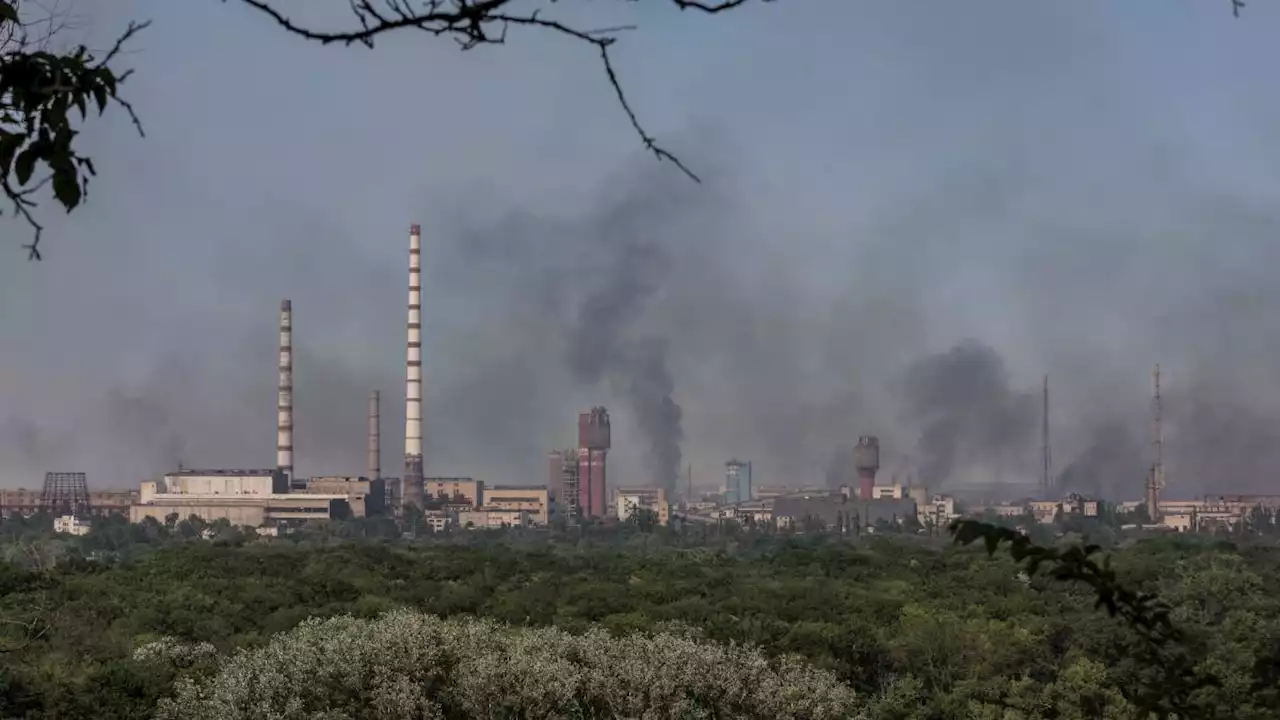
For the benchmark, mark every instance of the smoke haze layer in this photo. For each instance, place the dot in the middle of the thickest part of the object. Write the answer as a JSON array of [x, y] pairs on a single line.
[[882, 184]]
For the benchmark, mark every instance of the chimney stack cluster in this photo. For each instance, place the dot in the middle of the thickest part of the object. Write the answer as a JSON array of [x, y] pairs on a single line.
[[411, 484]]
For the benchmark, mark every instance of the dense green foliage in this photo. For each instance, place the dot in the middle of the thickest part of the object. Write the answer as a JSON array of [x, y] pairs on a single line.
[[918, 628]]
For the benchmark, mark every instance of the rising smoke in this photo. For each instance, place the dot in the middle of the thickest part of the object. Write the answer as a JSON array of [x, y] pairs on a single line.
[[968, 415], [631, 271]]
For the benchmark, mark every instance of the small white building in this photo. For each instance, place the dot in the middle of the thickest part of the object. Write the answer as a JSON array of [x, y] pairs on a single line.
[[71, 525], [938, 512], [492, 518], [437, 520]]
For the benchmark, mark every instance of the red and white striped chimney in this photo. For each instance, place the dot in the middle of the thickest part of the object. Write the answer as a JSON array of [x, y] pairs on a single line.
[[284, 394], [412, 482]]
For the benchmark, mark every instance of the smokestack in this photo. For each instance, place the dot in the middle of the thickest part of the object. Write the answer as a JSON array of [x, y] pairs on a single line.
[[374, 459], [1046, 459], [411, 483], [284, 394], [866, 460]]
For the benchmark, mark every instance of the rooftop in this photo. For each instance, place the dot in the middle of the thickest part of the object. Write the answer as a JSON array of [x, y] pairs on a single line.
[[223, 472]]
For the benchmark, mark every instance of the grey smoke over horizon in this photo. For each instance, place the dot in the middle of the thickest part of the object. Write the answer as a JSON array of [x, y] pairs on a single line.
[[883, 184]]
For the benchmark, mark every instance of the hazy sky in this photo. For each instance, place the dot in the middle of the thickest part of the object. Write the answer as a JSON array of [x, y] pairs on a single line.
[[1086, 187]]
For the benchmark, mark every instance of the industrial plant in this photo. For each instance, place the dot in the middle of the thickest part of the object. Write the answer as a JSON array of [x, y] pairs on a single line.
[[855, 498]]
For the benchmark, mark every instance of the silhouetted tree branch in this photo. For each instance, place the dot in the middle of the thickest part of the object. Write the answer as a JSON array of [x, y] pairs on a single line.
[[485, 22], [38, 90]]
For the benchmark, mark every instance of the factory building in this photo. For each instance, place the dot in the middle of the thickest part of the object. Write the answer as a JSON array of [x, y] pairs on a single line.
[[242, 497], [737, 482], [768, 492], [594, 440], [628, 503], [840, 512], [365, 497], [535, 501], [453, 491], [649, 496], [492, 519]]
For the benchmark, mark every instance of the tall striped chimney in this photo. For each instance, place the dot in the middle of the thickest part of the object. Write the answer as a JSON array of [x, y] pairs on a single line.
[[412, 482], [284, 394], [374, 459]]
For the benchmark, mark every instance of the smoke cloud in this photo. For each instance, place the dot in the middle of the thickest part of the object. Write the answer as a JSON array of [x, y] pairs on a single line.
[[1109, 466], [968, 415]]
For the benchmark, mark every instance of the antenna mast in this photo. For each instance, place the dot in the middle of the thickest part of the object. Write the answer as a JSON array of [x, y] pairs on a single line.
[[1046, 479], [1155, 478]]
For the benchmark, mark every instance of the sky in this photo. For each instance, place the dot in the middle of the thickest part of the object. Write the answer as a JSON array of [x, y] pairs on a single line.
[[910, 213]]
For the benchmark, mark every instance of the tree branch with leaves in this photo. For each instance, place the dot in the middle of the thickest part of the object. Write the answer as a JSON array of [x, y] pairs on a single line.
[[40, 92], [472, 23]]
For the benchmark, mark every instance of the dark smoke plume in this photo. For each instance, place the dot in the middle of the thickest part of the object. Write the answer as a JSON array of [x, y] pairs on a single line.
[[600, 344], [968, 416], [649, 388], [1215, 444], [840, 468], [1112, 465]]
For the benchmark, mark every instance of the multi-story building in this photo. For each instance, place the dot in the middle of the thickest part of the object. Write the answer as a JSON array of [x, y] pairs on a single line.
[[454, 490], [19, 501], [26, 501], [737, 482], [534, 500], [438, 521], [654, 500], [937, 512], [888, 492]]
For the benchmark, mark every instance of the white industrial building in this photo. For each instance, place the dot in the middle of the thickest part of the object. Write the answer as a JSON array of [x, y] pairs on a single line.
[[241, 497]]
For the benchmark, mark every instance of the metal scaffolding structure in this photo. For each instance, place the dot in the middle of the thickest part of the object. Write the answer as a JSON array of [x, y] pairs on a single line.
[[65, 494]]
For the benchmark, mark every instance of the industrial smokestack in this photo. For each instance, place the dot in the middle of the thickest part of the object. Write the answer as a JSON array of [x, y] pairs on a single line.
[[411, 483], [284, 394], [866, 460], [374, 459]]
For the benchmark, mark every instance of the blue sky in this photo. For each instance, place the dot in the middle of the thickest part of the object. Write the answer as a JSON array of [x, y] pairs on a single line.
[[1087, 187]]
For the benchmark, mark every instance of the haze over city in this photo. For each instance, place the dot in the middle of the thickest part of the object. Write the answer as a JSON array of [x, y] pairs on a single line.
[[909, 214]]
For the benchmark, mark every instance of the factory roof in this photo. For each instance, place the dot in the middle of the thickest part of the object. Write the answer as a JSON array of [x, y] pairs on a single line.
[[223, 472], [829, 508]]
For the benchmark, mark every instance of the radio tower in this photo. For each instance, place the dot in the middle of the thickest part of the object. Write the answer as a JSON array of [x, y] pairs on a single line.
[[1155, 478], [1046, 478]]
